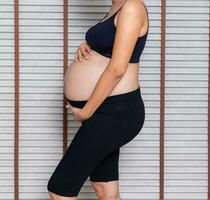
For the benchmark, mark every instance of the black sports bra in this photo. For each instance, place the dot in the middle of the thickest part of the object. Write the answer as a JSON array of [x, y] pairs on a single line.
[[101, 36]]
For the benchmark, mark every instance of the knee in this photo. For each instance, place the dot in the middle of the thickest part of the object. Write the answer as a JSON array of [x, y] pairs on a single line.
[[109, 196], [55, 187], [99, 190], [103, 193], [54, 196], [113, 196]]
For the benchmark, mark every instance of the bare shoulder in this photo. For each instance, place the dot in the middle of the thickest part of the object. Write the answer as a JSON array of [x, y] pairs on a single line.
[[134, 3], [134, 9]]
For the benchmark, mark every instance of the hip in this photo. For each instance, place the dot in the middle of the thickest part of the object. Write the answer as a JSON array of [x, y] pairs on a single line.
[[123, 107], [120, 115]]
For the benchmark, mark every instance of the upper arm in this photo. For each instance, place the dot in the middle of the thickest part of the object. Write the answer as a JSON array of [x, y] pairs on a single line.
[[129, 24]]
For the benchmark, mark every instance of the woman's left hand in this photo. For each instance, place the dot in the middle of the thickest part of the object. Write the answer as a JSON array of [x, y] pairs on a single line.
[[78, 115]]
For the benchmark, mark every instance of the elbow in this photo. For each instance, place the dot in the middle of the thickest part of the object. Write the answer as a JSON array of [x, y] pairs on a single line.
[[117, 72]]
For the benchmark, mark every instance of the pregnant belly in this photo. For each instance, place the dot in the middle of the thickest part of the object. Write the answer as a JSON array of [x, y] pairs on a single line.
[[81, 78]]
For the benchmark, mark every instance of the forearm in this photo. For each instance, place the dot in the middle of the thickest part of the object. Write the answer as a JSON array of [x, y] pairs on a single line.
[[106, 83]]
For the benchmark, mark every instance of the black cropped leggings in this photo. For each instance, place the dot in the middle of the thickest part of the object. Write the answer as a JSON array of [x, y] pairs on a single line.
[[94, 150]]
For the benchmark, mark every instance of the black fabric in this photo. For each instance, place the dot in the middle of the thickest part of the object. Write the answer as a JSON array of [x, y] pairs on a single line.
[[101, 37], [94, 150]]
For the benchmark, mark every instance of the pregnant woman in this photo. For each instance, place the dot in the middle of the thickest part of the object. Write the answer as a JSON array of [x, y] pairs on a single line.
[[103, 92]]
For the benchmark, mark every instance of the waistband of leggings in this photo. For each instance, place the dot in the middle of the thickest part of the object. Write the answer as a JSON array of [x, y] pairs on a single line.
[[131, 96]]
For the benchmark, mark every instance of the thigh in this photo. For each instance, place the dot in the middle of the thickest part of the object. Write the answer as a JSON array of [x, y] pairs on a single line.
[[108, 169], [105, 177], [100, 135], [89, 147]]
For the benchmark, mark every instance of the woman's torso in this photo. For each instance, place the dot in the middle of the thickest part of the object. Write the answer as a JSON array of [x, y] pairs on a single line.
[[81, 77]]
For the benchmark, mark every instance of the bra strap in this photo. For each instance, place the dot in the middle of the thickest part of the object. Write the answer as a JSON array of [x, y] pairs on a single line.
[[112, 15]]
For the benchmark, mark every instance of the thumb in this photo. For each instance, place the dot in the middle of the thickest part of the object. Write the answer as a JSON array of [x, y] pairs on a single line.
[[68, 106]]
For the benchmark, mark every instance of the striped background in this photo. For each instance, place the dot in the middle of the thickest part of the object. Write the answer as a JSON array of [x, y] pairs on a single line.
[[168, 160]]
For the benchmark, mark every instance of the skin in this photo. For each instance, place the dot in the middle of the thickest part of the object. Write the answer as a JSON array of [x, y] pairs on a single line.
[[131, 23], [131, 20]]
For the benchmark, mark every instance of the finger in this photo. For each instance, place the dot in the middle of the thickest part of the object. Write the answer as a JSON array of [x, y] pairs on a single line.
[[75, 57], [88, 49], [84, 53], [68, 106], [79, 55]]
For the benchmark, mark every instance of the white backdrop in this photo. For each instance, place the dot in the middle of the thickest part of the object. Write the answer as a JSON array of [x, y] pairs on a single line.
[[41, 99]]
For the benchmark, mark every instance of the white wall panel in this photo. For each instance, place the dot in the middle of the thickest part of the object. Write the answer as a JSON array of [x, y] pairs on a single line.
[[186, 156], [6, 100], [41, 99], [41, 95]]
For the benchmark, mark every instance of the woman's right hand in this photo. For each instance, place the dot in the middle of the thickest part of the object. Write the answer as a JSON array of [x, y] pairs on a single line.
[[84, 51]]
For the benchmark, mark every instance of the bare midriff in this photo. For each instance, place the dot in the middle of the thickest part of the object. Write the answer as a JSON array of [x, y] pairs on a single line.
[[81, 77]]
